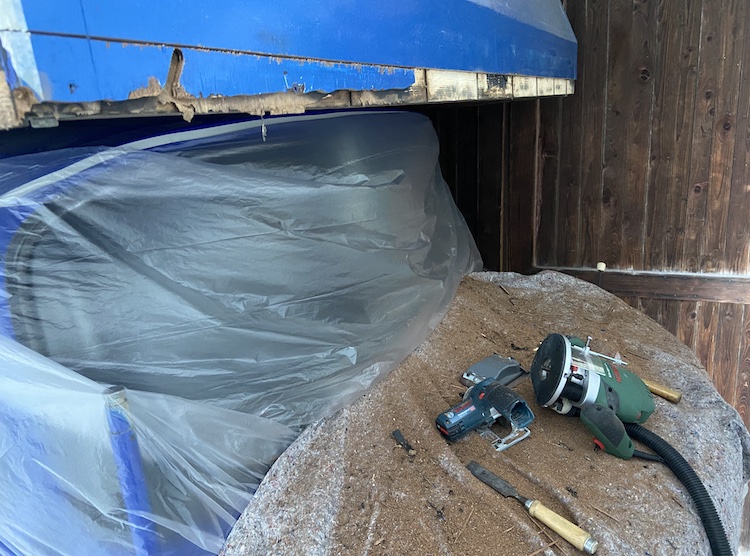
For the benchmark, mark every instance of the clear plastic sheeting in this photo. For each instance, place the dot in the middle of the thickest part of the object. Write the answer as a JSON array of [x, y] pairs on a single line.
[[240, 282]]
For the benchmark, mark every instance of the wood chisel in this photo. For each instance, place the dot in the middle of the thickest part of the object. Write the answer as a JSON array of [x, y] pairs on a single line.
[[567, 530]]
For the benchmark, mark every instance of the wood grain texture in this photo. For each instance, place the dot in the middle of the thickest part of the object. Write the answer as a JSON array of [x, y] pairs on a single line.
[[638, 104], [549, 176], [619, 94], [654, 308], [705, 340], [675, 78], [490, 125], [633, 301], [670, 286], [731, 39], [704, 116], [688, 323], [505, 188], [519, 219], [473, 161], [726, 356], [720, 335], [667, 313], [737, 252], [568, 247], [670, 135], [742, 388], [593, 93]]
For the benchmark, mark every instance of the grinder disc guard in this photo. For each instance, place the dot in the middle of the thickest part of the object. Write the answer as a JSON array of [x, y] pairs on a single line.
[[550, 368]]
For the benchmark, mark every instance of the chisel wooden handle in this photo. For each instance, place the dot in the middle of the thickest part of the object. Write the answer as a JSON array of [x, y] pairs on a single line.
[[567, 530], [665, 392]]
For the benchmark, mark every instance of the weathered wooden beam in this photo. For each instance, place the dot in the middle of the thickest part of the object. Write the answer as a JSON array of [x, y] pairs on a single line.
[[719, 289]]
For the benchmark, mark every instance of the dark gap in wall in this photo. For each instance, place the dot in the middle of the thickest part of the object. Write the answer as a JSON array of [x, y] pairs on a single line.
[[473, 155]]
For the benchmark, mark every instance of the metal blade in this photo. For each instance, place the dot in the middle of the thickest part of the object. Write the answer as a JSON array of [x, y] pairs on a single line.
[[492, 480]]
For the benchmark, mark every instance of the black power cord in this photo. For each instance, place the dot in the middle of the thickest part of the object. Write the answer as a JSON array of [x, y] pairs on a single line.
[[717, 537], [647, 456]]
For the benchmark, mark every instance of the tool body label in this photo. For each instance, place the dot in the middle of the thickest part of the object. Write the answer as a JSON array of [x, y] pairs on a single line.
[[583, 362], [463, 409]]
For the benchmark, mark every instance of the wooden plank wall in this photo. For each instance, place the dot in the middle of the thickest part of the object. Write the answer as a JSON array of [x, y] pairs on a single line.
[[647, 166], [474, 147]]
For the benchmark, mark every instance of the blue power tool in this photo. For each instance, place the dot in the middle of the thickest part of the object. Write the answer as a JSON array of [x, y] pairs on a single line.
[[486, 402]]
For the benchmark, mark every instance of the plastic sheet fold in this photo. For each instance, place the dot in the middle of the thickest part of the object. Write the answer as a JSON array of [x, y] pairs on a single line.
[[176, 310]]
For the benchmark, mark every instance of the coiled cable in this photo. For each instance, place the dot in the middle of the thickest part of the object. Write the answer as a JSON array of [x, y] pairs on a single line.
[[717, 537]]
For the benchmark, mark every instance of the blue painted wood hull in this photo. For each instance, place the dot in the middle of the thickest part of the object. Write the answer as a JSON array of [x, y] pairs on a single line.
[[87, 50]]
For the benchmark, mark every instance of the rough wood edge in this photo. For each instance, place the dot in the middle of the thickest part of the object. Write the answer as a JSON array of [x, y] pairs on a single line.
[[8, 116], [430, 86]]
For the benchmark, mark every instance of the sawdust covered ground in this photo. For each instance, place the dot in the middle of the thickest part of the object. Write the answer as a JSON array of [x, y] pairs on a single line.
[[345, 487]]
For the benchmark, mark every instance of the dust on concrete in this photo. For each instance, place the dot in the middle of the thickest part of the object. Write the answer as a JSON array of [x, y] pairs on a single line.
[[346, 487]]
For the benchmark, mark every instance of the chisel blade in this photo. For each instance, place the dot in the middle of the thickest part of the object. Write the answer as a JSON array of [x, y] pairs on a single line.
[[492, 480], [566, 529]]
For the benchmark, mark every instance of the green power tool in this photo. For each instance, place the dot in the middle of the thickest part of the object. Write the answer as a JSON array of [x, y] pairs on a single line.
[[612, 402], [574, 380]]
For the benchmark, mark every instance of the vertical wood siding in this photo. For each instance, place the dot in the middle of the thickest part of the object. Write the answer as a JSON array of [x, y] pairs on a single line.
[[474, 148], [647, 166]]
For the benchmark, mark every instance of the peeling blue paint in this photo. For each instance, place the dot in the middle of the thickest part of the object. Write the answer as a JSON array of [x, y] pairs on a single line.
[[91, 50], [132, 65]]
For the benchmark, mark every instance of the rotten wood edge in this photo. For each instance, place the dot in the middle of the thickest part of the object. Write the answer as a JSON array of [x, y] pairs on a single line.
[[430, 87]]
